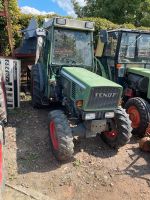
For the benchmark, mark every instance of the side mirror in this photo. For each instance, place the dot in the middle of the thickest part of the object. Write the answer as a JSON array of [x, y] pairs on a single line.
[[103, 34]]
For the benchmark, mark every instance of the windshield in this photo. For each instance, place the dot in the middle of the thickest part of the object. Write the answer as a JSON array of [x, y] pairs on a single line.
[[72, 47], [135, 48], [110, 49]]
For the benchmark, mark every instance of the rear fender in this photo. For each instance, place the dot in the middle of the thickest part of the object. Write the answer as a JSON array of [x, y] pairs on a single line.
[[41, 74]]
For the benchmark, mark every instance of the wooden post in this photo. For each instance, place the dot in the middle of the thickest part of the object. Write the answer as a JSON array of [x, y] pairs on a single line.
[[8, 27], [5, 13]]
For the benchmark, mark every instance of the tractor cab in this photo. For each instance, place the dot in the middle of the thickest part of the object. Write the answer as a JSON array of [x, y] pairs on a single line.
[[68, 42], [62, 43], [123, 50]]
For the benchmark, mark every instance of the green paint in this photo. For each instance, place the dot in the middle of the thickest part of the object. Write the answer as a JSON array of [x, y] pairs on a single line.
[[89, 78], [85, 82], [142, 72]]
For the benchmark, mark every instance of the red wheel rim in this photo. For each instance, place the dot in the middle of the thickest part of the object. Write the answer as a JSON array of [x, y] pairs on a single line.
[[53, 135], [134, 116], [111, 134]]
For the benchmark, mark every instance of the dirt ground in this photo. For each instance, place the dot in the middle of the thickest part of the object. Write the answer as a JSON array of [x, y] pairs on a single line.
[[97, 172]]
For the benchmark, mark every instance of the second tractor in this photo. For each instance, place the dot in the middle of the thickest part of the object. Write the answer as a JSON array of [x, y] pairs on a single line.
[[125, 57]]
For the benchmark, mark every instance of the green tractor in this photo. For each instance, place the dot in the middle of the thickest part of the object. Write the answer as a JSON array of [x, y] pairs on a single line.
[[125, 56], [64, 73]]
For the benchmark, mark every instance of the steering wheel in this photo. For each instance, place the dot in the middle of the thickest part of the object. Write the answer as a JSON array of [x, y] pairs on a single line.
[[69, 59]]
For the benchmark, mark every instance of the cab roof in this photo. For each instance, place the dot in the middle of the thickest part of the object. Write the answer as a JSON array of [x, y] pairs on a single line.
[[69, 23], [130, 31]]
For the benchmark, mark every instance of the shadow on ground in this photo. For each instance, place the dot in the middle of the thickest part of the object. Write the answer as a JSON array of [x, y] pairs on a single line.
[[33, 146], [135, 169]]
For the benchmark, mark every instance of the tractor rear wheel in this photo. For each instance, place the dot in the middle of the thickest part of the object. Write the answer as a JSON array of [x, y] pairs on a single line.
[[35, 87], [60, 135], [139, 113], [120, 132]]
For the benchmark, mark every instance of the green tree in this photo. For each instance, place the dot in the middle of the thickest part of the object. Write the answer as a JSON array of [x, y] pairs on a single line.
[[117, 11], [14, 14], [77, 8], [1, 5], [143, 14]]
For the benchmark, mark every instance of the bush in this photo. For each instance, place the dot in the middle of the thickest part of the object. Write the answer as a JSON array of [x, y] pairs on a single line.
[[21, 21]]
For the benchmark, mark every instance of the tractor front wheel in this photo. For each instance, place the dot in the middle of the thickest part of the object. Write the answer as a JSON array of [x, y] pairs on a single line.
[[139, 113], [120, 129], [60, 135]]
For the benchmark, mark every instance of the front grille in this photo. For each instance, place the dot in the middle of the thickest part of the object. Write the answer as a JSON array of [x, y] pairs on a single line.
[[103, 98]]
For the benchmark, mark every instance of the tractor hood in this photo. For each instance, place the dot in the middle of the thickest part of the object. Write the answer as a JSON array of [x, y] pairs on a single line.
[[86, 78], [96, 92], [140, 71]]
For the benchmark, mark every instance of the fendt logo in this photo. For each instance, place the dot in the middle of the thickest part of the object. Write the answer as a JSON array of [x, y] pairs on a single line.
[[108, 95]]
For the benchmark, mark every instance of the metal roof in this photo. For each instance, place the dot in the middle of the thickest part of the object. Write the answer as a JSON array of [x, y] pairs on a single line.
[[69, 23], [130, 30]]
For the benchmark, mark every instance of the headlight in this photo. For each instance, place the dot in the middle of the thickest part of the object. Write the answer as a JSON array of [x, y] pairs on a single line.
[[109, 115], [61, 21], [89, 25], [89, 116]]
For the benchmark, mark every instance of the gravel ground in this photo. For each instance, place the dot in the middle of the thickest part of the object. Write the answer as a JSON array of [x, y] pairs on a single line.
[[96, 172]]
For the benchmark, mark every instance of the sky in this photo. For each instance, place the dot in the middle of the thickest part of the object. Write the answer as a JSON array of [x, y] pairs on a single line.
[[61, 7]]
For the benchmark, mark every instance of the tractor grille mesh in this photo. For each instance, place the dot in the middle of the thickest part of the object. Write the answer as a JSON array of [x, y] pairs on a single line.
[[73, 90], [98, 101]]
